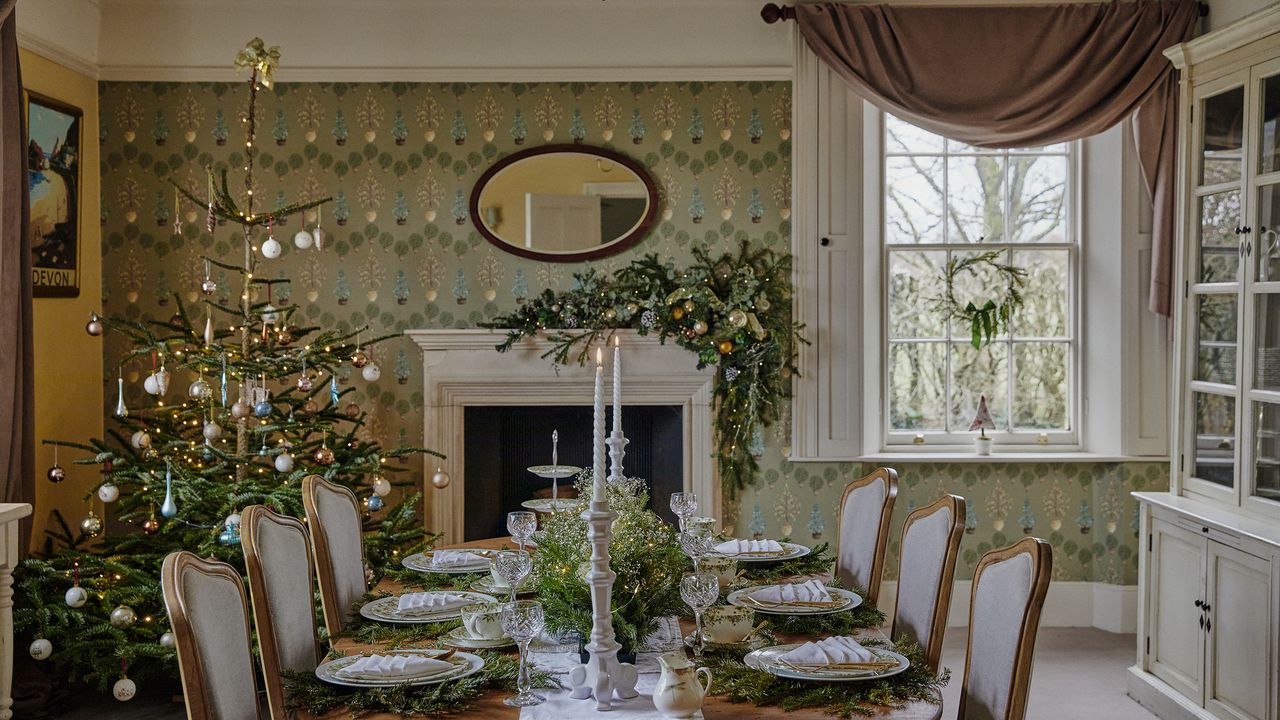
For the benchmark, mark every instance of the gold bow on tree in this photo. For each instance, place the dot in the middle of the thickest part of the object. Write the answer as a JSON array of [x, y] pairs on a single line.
[[258, 57]]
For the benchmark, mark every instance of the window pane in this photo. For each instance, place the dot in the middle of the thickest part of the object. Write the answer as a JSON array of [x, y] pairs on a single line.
[[1044, 309], [1223, 130], [913, 200], [1219, 244], [915, 281], [956, 146], [1215, 427], [976, 193], [1269, 152], [1266, 463], [976, 284], [903, 137], [1040, 372], [975, 373], [1269, 232], [917, 384], [1266, 373], [1216, 339], [1038, 198]]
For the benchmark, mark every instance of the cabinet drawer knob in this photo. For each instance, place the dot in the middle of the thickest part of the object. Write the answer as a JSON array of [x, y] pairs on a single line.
[[824, 242]]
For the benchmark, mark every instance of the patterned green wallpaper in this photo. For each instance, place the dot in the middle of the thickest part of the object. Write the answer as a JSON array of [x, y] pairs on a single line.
[[400, 160]]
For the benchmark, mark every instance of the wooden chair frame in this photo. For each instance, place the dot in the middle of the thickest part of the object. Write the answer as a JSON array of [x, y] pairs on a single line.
[[890, 478], [946, 581], [334, 616], [269, 651], [190, 667], [1041, 554]]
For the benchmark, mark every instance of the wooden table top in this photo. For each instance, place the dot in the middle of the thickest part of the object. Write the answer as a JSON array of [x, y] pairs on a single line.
[[490, 707]]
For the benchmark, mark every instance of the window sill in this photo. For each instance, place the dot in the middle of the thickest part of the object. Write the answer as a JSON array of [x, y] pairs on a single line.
[[1001, 457]]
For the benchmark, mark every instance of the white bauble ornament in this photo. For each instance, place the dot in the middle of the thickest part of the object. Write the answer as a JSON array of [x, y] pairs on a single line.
[[150, 385], [123, 616], [271, 248], [381, 486], [319, 236], [41, 649], [284, 462], [270, 315], [199, 389], [166, 640], [141, 439], [371, 372], [124, 690], [440, 480], [76, 596], [108, 493], [212, 431], [302, 239]]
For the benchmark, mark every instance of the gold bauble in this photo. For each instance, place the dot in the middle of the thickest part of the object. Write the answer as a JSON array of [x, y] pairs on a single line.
[[737, 318], [440, 480], [324, 456], [359, 359], [725, 347], [151, 526], [310, 407], [677, 312], [352, 410], [689, 306], [700, 327]]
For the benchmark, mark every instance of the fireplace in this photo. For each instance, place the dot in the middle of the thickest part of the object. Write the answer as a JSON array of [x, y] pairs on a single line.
[[462, 371], [504, 441]]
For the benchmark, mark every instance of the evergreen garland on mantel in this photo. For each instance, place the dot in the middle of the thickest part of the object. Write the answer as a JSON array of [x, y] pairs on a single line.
[[731, 311]]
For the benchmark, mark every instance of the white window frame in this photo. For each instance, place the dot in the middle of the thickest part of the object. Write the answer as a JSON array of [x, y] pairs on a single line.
[[1056, 440]]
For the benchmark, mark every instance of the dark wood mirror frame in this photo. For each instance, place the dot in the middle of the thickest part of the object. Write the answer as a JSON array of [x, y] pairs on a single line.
[[612, 248]]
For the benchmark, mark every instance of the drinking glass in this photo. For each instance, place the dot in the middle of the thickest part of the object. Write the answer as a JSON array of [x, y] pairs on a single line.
[[700, 591], [522, 621], [521, 526], [697, 542], [684, 504], [513, 566]]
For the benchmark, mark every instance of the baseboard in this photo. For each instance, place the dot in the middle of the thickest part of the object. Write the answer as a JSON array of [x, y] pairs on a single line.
[[1163, 701], [1113, 608]]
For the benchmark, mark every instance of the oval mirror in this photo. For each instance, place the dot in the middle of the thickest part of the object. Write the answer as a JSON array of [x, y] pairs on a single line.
[[564, 203]]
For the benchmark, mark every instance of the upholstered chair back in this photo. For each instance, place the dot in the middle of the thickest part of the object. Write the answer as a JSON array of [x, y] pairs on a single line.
[[866, 508], [337, 543], [926, 571], [210, 619], [1009, 586], [277, 555]]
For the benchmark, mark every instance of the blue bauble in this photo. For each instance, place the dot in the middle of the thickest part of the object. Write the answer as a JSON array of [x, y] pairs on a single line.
[[375, 503], [229, 537], [262, 409]]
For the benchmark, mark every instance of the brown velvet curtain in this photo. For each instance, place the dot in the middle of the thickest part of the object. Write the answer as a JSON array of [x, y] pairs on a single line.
[[1018, 76], [17, 450]]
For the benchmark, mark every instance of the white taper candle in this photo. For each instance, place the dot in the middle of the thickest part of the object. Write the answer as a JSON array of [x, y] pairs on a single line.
[[617, 384], [597, 435]]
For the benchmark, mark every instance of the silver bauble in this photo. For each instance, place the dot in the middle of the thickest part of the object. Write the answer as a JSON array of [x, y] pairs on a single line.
[[241, 409], [95, 326], [440, 479], [166, 640], [371, 372], [284, 462], [212, 430], [123, 616], [200, 390], [56, 474], [381, 486], [91, 525], [40, 649]]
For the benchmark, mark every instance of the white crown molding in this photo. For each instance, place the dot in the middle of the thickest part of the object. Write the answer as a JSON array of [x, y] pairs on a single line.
[[458, 74], [1229, 37], [58, 54]]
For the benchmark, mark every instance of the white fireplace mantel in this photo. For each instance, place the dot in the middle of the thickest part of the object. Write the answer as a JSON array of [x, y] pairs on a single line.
[[462, 368]]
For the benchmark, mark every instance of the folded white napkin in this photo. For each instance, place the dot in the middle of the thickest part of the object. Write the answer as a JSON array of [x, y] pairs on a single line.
[[454, 558], [829, 651], [738, 547], [807, 591], [393, 667], [432, 601]]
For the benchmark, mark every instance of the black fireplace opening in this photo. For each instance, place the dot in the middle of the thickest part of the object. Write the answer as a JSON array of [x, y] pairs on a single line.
[[502, 442]]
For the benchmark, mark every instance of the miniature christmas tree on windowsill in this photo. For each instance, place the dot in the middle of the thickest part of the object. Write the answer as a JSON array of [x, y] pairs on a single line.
[[982, 422]]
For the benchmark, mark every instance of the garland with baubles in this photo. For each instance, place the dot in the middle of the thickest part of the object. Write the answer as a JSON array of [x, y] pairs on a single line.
[[731, 311]]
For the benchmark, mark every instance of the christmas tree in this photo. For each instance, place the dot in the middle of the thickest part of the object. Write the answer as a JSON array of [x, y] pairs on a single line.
[[577, 127], [755, 128], [520, 286], [399, 128], [755, 206], [161, 129], [696, 207], [519, 130], [459, 129], [400, 208], [459, 209], [636, 129], [340, 131], [460, 291], [240, 405], [401, 289], [220, 132], [280, 131], [341, 211], [696, 131]]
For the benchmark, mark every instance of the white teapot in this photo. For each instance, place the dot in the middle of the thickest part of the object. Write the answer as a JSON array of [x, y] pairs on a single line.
[[679, 692]]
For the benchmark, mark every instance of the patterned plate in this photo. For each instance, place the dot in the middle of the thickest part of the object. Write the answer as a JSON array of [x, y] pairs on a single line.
[[422, 563], [464, 664], [790, 551], [386, 610], [547, 505], [458, 637], [767, 659], [843, 599], [485, 584], [554, 471]]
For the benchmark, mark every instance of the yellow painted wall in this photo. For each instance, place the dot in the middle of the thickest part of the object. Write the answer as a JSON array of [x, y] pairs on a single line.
[[68, 362]]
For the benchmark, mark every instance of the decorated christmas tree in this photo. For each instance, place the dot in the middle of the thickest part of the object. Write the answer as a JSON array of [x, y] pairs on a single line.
[[220, 131], [519, 130], [577, 127], [696, 129], [636, 129], [340, 130], [280, 131], [400, 208], [755, 128], [399, 128], [458, 131], [238, 405]]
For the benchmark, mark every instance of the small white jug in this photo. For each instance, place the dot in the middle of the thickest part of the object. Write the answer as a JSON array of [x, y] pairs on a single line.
[[679, 692]]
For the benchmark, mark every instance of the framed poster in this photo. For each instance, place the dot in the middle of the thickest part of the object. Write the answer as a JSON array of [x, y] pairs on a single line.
[[54, 132]]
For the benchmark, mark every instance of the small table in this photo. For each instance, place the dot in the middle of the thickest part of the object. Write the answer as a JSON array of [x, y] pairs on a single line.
[[10, 514], [490, 707]]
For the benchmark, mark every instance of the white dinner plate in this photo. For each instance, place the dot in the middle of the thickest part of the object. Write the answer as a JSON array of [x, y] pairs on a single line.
[[846, 601], [458, 637], [767, 659], [791, 551], [547, 505], [464, 664], [386, 609], [422, 563]]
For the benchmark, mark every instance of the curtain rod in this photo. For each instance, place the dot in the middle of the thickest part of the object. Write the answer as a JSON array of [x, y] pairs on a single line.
[[773, 12]]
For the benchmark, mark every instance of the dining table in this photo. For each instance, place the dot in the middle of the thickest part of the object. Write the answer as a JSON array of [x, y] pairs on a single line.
[[491, 707]]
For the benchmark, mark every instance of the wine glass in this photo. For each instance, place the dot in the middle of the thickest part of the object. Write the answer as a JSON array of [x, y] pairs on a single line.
[[684, 505], [696, 543], [522, 621], [513, 567], [521, 526], [700, 591]]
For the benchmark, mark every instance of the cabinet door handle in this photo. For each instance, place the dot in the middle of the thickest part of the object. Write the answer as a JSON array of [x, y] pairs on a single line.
[[1246, 230], [1202, 621], [1199, 603], [1208, 625], [1206, 607], [824, 242]]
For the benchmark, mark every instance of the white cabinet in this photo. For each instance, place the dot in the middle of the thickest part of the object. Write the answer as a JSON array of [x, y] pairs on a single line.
[[1177, 620], [1238, 630]]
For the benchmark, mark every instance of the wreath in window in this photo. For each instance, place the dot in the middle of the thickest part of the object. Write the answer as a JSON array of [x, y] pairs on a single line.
[[987, 315]]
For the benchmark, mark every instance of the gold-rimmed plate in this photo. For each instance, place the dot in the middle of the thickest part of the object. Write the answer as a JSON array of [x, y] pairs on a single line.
[[387, 610], [790, 551], [464, 664], [841, 601], [769, 660], [421, 562]]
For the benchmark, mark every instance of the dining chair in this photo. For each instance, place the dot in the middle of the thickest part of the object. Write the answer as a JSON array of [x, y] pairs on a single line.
[[210, 619], [277, 555], [926, 572], [866, 508], [1009, 586], [337, 543]]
